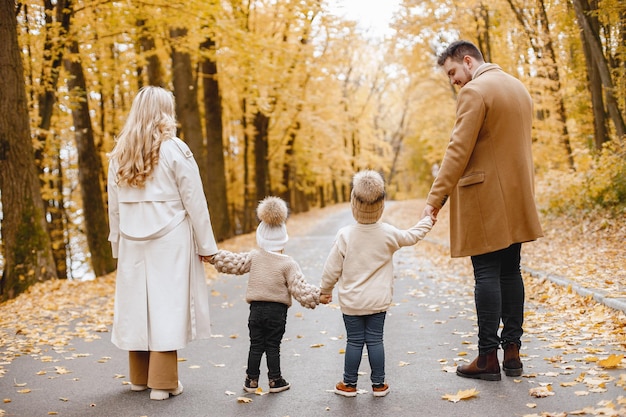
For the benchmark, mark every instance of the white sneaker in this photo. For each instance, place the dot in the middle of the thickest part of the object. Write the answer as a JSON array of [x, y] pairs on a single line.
[[134, 387], [164, 394]]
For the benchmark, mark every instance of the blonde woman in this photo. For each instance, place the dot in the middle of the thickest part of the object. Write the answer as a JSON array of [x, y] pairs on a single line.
[[160, 231]]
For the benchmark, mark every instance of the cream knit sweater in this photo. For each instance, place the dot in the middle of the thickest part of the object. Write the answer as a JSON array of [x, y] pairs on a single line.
[[360, 264], [273, 276]]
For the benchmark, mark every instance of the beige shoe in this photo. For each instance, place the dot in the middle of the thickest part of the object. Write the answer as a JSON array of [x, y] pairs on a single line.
[[164, 394], [135, 387]]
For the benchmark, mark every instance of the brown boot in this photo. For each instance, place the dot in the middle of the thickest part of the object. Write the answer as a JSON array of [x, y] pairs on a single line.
[[512, 364], [485, 367]]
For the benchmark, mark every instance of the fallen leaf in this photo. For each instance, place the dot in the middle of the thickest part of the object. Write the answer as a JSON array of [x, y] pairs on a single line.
[[244, 400], [317, 345], [229, 393], [461, 395], [541, 392], [403, 363], [531, 405], [24, 391], [611, 362]]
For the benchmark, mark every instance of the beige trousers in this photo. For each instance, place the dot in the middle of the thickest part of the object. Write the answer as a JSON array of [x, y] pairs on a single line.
[[158, 370]]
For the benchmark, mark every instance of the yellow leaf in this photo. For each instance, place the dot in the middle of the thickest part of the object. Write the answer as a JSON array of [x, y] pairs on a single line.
[[244, 400], [611, 362], [461, 395], [233, 336], [317, 345], [6, 400], [342, 351], [462, 353], [53, 413], [61, 370]]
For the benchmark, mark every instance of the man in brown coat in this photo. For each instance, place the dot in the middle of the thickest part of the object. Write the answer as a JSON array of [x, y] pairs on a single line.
[[487, 171]]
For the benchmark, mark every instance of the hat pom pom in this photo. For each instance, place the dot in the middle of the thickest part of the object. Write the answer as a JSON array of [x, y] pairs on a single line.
[[368, 186], [273, 211]]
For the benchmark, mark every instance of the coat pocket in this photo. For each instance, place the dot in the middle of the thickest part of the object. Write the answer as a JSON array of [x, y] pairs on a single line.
[[471, 179]]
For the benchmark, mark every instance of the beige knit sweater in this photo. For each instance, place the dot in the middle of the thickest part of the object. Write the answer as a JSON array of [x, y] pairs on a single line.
[[273, 276], [360, 264]]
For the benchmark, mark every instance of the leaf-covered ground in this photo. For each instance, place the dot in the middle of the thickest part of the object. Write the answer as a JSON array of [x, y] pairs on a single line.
[[587, 251]]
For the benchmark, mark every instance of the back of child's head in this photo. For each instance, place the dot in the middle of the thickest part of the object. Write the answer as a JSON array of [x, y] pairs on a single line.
[[271, 233], [368, 196]]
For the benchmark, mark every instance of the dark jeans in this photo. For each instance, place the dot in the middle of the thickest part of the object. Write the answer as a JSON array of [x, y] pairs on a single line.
[[364, 330], [266, 323], [499, 295]]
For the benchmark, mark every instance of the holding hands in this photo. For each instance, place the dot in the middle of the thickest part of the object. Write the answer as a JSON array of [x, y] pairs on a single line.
[[326, 298]]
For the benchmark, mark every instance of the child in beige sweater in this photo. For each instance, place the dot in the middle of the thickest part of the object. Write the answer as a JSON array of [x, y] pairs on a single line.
[[274, 279]]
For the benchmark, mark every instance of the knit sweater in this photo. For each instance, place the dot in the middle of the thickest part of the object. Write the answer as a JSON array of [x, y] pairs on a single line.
[[360, 264], [273, 276]]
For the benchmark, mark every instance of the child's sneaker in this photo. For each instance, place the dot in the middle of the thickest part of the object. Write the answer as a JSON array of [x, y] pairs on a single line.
[[279, 384], [347, 390], [380, 390], [251, 384]]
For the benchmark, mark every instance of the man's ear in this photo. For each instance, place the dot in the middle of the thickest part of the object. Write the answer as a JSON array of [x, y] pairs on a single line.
[[467, 60]]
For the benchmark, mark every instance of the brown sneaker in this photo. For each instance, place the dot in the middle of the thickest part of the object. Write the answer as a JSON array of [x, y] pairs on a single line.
[[485, 367], [380, 390], [347, 390]]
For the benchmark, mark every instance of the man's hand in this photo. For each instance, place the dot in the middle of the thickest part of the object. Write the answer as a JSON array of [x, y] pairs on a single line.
[[430, 211]]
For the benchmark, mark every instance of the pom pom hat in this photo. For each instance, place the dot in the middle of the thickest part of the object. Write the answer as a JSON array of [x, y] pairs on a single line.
[[367, 197], [271, 234]]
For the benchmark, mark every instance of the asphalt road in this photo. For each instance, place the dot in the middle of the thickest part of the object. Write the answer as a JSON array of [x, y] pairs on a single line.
[[428, 329]]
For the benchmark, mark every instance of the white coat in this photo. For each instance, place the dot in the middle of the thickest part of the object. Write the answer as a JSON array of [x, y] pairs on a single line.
[[157, 233]]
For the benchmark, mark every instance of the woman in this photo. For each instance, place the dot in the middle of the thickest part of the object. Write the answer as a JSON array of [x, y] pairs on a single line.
[[160, 229]]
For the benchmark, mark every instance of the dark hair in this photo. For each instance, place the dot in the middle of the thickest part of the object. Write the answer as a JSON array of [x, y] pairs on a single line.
[[457, 50]]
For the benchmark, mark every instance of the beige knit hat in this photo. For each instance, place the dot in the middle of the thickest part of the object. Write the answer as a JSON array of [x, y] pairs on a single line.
[[271, 233], [368, 196]]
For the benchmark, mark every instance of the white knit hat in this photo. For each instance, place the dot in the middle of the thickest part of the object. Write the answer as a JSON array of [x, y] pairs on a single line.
[[271, 233], [368, 196]]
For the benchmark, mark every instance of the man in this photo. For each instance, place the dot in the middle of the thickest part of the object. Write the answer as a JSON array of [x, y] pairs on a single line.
[[487, 171]]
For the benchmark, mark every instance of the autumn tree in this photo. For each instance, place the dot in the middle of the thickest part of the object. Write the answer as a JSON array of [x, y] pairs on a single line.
[[26, 243]]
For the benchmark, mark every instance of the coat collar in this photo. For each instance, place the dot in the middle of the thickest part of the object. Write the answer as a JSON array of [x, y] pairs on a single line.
[[487, 66]]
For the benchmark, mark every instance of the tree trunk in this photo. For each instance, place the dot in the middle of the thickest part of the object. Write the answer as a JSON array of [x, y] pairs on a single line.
[[594, 85], [90, 172], [47, 152], [153, 66], [592, 39], [187, 109], [217, 193], [27, 248], [261, 152]]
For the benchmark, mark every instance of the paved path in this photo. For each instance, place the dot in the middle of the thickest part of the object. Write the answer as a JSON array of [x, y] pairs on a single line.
[[429, 328]]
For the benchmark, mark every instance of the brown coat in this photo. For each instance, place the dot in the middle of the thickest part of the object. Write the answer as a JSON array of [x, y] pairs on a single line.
[[487, 169]]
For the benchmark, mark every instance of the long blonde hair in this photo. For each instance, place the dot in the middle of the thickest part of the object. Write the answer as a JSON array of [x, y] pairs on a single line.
[[152, 119]]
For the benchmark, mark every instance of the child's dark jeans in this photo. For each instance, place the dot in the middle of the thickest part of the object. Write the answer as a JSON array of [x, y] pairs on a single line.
[[267, 326]]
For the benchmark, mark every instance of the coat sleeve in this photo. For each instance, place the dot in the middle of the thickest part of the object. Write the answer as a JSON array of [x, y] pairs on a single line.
[[470, 115], [306, 294], [192, 195], [114, 209], [231, 262]]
